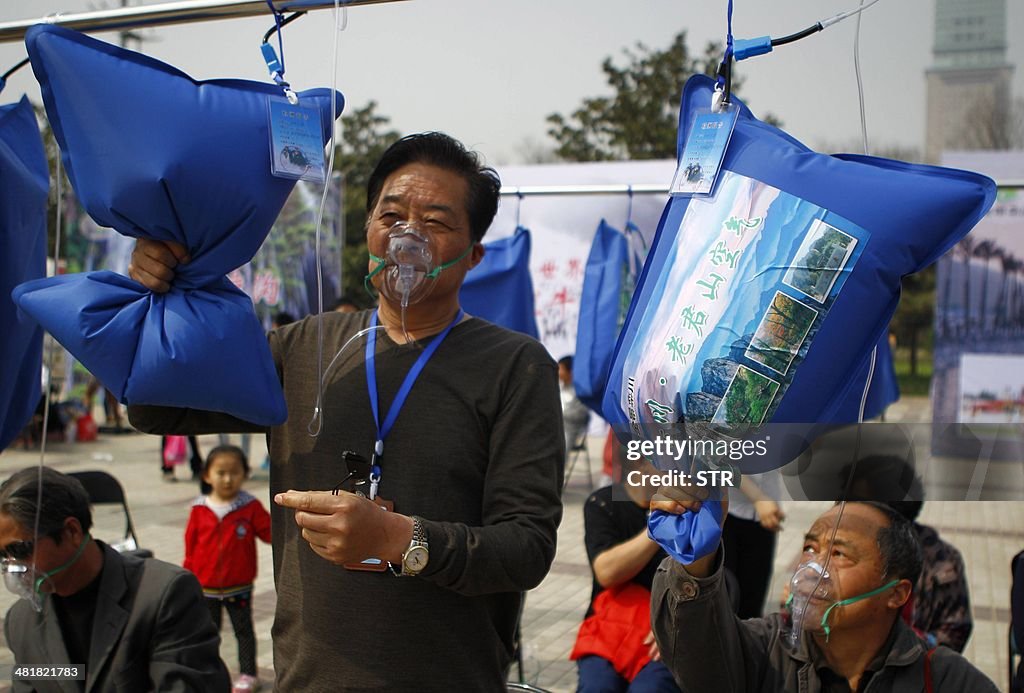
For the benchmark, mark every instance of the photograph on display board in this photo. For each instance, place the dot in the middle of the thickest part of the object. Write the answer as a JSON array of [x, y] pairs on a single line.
[[991, 388], [978, 344]]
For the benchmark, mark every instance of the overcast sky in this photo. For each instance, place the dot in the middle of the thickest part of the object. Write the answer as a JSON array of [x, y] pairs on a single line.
[[489, 73]]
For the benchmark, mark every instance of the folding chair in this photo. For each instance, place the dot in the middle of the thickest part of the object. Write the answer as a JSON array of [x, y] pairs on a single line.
[[1013, 647], [1012, 655], [517, 642], [579, 449], [105, 489]]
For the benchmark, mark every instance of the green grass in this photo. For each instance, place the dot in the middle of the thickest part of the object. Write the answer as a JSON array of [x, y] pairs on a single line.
[[913, 384]]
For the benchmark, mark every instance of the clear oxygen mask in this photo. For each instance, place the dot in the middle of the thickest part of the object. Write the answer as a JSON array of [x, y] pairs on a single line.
[[20, 580], [813, 597], [811, 593], [407, 268], [25, 582]]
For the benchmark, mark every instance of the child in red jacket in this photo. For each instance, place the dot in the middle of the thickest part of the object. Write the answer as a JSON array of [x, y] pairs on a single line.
[[220, 548]]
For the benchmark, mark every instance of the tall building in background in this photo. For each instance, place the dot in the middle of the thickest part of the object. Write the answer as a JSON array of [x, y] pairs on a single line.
[[969, 83]]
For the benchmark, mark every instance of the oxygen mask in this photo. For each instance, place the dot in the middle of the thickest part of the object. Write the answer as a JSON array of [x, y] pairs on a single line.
[[813, 597], [20, 580], [407, 268], [25, 582], [811, 593]]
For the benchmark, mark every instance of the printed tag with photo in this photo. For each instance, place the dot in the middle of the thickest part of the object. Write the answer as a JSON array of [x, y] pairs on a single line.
[[296, 142], [704, 151]]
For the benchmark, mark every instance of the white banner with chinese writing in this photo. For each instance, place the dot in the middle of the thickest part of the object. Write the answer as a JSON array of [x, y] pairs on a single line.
[[563, 227]]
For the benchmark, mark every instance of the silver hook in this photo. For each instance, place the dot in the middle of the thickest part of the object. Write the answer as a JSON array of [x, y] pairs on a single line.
[[519, 206]]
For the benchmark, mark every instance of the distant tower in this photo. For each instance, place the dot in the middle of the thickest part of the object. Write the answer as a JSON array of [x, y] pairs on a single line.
[[969, 83]]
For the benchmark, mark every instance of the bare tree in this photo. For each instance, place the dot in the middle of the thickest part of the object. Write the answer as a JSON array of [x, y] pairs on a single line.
[[994, 124], [531, 151]]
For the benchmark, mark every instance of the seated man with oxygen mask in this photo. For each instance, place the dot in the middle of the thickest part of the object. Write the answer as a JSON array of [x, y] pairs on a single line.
[[89, 614], [450, 423], [842, 632]]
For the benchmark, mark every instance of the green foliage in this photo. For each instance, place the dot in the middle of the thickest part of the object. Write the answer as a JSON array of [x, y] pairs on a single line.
[[913, 384], [365, 137], [641, 119], [912, 323]]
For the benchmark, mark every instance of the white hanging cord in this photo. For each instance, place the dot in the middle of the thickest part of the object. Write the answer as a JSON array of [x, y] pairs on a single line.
[[826, 23], [316, 423], [874, 350], [860, 83], [51, 355]]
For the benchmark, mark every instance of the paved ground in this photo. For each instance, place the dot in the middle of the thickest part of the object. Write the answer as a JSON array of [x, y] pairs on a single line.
[[988, 533]]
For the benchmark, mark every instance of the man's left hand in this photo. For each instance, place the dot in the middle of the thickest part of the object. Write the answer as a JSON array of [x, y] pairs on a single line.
[[348, 528]]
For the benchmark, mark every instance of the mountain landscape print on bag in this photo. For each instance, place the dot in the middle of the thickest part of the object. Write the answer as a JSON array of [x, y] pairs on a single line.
[[752, 276]]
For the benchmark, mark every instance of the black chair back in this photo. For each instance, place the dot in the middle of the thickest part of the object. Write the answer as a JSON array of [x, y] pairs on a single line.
[[104, 489]]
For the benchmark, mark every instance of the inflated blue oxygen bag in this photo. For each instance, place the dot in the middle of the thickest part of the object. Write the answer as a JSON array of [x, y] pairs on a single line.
[[155, 154], [24, 188], [613, 266], [761, 304], [500, 289]]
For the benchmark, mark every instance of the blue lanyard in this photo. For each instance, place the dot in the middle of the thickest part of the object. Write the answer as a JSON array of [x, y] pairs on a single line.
[[403, 392], [725, 66]]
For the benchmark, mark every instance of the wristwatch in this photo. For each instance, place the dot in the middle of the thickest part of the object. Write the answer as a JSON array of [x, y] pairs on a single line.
[[414, 560]]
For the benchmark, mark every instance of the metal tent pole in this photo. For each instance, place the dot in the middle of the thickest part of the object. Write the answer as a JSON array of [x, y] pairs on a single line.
[[639, 189], [181, 12]]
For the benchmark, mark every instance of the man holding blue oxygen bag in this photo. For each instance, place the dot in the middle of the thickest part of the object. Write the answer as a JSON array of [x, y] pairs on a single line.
[[842, 632]]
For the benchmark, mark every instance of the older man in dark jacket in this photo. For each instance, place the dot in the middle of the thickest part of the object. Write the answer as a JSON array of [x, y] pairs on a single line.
[[87, 613], [851, 638]]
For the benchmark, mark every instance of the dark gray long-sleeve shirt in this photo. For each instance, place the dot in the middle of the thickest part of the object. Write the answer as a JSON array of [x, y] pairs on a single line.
[[477, 452]]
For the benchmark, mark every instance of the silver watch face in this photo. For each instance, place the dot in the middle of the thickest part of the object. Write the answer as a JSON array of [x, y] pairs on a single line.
[[415, 559]]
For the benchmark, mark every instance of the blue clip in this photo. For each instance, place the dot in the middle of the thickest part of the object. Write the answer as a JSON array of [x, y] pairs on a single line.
[[273, 64], [748, 48]]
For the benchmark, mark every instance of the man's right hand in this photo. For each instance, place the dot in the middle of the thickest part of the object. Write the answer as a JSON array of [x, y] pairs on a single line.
[[681, 499], [153, 263]]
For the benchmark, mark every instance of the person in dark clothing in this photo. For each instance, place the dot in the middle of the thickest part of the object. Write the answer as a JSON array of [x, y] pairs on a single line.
[[135, 624], [623, 560], [860, 562], [470, 472], [941, 607]]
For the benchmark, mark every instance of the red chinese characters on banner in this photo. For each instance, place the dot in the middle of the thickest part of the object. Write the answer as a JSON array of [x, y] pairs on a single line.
[[574, 272], [266, 288], [237, 278], [548, 270]]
